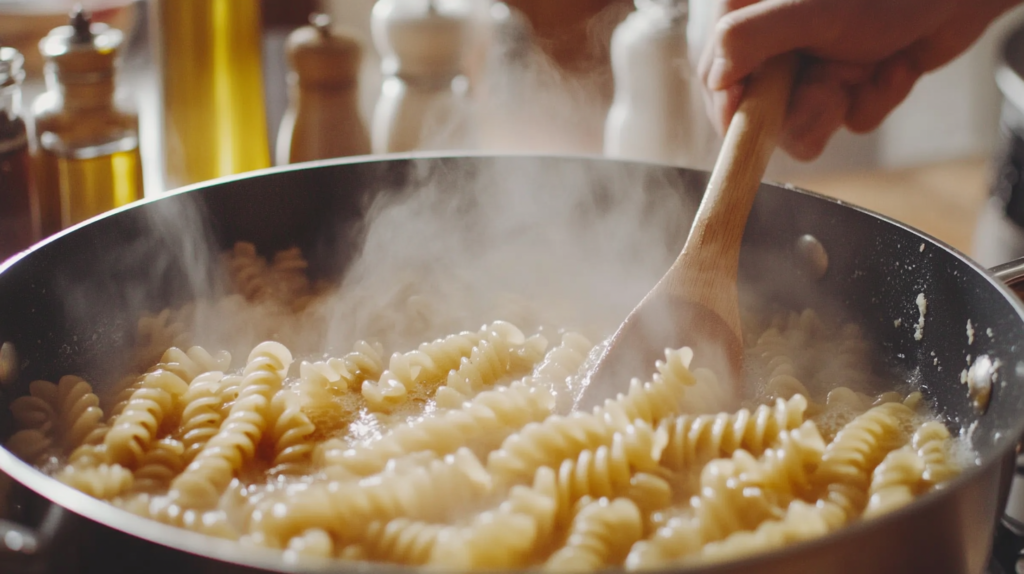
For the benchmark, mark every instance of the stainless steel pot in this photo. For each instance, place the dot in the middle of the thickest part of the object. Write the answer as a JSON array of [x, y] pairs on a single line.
[[70, 304]]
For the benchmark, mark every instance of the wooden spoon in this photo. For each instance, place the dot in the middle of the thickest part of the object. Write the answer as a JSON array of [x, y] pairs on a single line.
[[695, 303]]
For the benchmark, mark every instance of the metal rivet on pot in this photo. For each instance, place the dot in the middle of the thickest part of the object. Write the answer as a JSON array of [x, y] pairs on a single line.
[[812, 255], [8, 364]]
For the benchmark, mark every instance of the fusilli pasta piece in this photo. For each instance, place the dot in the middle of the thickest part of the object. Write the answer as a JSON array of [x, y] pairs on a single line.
[[561, 363], [423, 494], [201, 415], [650, 492], [495, 540], [508, 536], [137, 426], [533, 513], [725, 505], [403, 541], [559, 438], [313, 542], [846, 466], [80, 418], [662, 397], [608, 470], [30, 445], [502, 352], [104, 481], [287, 278], [784, 472], [186, 365], [365, 362], [160, 465], [427, 364], [36, 410], [247, 271], [154, 335], [802, 521], [206, 477], [933, 444], [738, 494], [895, 481], [161, 508], [289, 433], [484, 422], [601, 535], [694, 440]]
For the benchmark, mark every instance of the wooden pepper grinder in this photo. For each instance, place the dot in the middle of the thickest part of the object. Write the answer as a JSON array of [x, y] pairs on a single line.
[[423, 97], [653, 115], [323, 118]]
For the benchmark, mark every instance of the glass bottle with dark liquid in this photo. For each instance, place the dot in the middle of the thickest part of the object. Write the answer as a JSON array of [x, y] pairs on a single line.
[[87, 144], [19, 218]]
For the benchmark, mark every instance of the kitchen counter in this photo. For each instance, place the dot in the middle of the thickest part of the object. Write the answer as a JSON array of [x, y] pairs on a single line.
[[942, 199]]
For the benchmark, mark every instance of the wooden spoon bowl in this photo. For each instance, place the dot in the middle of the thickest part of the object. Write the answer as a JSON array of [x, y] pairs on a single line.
[[695, 304]]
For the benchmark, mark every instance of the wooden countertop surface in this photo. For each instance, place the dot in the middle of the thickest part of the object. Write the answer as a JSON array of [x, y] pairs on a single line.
[[942, 199]]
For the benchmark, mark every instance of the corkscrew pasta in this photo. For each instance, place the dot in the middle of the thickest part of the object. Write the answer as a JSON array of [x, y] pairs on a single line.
[[461, 452]]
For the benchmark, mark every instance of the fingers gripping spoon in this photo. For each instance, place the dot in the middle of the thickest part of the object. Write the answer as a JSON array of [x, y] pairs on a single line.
[[695, 303]]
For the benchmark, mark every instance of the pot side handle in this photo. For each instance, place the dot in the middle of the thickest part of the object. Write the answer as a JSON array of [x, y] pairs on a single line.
[[1012, 274], [1008, 549]]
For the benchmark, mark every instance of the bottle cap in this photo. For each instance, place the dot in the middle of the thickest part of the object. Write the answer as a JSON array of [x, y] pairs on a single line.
[[426, 39], [82, 51], [11, 67], [323, 55], [673, 8]]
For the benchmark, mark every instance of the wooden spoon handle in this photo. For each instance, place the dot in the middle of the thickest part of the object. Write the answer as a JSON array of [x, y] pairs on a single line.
[[709, 263]]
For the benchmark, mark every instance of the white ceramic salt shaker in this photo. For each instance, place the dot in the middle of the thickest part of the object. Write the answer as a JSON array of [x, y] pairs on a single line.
[[424, 94], [656, 114]]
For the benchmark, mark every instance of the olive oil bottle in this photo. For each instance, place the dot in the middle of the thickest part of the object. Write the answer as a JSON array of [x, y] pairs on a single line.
[[211, 76], [86, 144]]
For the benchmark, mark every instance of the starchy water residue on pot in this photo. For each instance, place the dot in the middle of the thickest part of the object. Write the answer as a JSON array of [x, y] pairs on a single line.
[[979, 378], [970, 333], [897, 323], [922, 307], [963, 450], [922, 248]]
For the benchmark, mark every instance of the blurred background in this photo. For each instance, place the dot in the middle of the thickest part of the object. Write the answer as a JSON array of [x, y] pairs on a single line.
[[529, 76]]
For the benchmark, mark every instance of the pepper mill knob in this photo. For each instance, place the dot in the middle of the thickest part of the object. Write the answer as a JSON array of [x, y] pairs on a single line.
[[321, 55], [80, 24], [82, 49], [675, 8], [421, 39]]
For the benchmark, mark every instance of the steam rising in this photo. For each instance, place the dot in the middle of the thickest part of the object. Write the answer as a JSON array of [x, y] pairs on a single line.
[[559, 245]]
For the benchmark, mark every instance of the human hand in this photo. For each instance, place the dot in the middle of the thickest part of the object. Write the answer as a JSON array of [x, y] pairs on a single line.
[[860, 58]]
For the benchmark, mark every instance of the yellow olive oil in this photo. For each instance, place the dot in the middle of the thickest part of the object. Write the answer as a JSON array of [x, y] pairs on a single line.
[[212, 82], [73, 188]]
